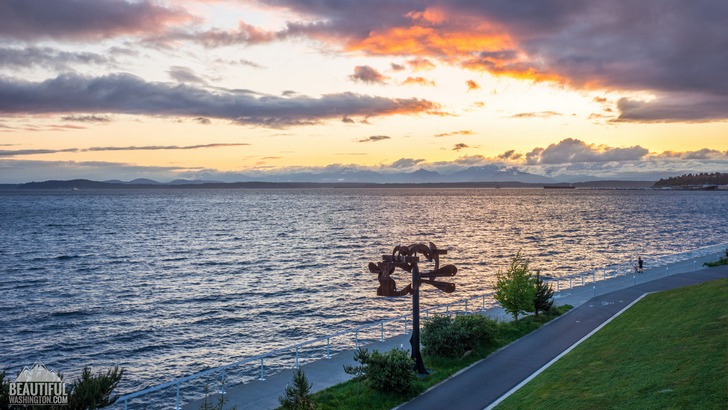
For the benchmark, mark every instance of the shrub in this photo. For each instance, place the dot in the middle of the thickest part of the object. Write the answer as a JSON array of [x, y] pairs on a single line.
[[721, 261], [442, 337], [392, 371], [298, 395], [481, 329]]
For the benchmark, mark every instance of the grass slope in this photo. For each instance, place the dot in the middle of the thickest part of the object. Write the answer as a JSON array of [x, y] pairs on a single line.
[[669, 351]]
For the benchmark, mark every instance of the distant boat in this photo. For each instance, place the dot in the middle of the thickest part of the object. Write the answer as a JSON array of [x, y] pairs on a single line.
[[559, 187]]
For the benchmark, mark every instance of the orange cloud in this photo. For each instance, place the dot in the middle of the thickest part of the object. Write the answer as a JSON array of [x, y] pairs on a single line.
[[470, 42], [418, 81]]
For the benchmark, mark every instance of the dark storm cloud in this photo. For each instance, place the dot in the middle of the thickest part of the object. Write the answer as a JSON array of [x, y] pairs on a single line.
[[83, 19], [48, 57], [128, 94]]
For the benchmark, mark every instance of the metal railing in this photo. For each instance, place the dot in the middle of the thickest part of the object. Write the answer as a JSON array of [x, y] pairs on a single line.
[[465, 305]]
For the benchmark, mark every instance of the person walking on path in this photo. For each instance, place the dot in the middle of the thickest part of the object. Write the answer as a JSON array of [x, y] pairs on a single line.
[[639, 264]]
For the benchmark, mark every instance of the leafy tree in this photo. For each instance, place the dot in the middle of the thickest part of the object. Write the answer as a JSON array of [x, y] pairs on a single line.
[[298, 395], [544, 294], [514, 288], [94, 391]]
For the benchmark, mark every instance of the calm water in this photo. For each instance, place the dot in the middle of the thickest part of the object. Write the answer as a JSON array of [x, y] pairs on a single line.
[[166, 283]]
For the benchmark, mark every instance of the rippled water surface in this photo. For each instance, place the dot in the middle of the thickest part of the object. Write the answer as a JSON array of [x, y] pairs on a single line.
[[166, 283]]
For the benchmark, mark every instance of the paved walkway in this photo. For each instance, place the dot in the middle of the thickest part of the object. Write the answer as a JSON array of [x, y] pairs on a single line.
[[478, 386]]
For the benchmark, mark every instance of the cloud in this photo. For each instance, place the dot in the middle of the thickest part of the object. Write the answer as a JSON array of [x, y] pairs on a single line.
[[668, 49], [674, 108], [510, 155], [421, 64], [460, 146], [16, 153], [128, 94], [347, 120], [374, 138], [704, 153], [184, 75], [397, 67], [542, 114], [87, 118], [404, 163], [418, 81], [84, 19], [472, 85], [461, 132], [203, 120], [573, 150], [20, 171], [367, 74], [48, 57]]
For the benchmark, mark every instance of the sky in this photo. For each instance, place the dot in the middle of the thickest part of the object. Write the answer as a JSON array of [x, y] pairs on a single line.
[[194, 89]]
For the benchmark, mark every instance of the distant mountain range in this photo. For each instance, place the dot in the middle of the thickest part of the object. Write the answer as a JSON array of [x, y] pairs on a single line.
[[481, 176]]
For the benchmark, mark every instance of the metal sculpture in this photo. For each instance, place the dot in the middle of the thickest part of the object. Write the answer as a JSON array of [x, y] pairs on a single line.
[[405, 258]]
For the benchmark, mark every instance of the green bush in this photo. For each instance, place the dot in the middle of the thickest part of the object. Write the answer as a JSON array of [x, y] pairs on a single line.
[[481, 329], [392, 371], [442, 337], [721, 261]]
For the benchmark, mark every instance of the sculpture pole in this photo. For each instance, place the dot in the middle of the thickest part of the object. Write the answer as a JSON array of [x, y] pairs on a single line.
[[415, 338]]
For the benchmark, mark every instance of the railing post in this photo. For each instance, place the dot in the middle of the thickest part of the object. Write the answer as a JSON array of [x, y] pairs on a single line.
[[605, 274], [582, 279], [177, 405], [125, 404], [356, 340], [328, 348], [558, 285], [483, 302], [296, 358], [381, 327], [262, 372], [593, 277], [570, 284], [466, 306], [405, 325], [222, 382]]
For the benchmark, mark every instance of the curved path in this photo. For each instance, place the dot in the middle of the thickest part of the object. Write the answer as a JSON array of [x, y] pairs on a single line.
[[488, 380]]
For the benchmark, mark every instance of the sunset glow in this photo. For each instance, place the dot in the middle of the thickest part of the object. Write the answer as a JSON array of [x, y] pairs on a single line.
[[220, 90]]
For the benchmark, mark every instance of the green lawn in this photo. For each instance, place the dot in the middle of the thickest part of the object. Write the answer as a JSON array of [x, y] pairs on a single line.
[[669, 351]]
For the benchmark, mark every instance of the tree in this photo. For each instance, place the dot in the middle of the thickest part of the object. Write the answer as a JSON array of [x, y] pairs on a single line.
[[361, 355], [94, 391], [515, 289], [297, 396], [544, 294]]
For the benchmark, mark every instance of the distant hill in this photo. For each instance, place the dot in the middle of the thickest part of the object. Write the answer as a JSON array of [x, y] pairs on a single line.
[[693, 180]]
